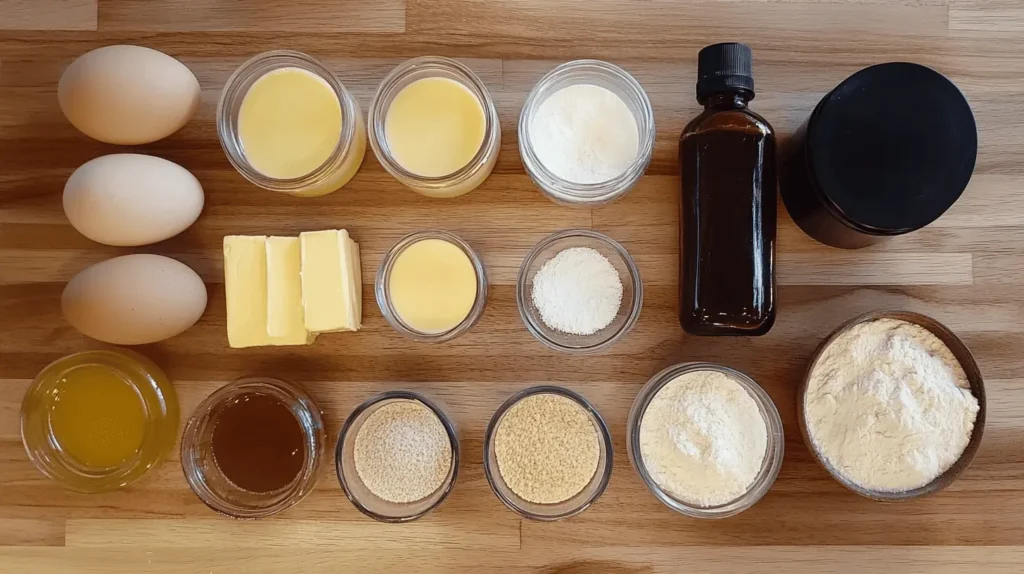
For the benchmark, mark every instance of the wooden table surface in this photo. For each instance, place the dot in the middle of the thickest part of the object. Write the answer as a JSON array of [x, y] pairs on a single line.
[[965, 270]]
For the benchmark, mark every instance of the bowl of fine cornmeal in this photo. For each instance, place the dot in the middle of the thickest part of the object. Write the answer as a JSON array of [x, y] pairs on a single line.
[[892, 406], [579, 291]]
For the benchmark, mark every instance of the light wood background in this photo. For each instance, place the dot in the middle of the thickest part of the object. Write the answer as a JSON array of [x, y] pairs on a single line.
[[965, 270]]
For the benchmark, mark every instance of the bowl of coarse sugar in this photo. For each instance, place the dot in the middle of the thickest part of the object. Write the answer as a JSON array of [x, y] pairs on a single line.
[[579, 291], [397, 456], [892, 406], [547, 453]]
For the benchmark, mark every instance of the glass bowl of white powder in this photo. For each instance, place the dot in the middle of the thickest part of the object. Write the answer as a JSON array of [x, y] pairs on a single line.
[[893, 406], [579, 291], [397, 456], [586, 133], [706, 439]]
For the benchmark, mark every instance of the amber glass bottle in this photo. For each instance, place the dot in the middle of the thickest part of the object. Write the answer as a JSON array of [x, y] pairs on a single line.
[[727, 240]]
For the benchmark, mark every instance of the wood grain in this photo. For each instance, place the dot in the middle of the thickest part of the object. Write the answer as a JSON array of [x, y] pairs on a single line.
[[48, 14], [965, 270]]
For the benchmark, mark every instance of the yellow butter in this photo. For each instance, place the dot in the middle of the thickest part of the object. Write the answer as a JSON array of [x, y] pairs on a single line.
[[285, 317], [330, 302], [245, 289]]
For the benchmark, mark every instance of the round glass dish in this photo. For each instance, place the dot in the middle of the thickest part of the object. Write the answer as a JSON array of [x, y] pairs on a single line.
[[356, 490], [339, 168], [963, 356], [205, 478], [769, 468], [158, 400], [548, 512], [632, 291], [469, 176], [622, 84], [383, 290]]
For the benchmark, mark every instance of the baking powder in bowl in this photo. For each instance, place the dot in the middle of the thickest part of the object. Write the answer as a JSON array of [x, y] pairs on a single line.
[[703, 438], [888, 406]]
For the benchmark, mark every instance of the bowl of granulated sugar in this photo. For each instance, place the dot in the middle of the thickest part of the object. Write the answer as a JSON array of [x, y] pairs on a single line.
[[893, 406], [397, 456], [579, 291]]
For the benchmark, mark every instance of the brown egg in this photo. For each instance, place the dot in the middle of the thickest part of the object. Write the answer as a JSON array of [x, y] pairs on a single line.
[[134, 299], [127, 94]]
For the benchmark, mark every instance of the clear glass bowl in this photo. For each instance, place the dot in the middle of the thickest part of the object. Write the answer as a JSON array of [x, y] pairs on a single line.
[[548, 512], [632, 291], [469, 176], [383, 290], [769, 468], [962, 354], [356, 490], [622, 84], [344, 161], [209, 483], [159, 401]]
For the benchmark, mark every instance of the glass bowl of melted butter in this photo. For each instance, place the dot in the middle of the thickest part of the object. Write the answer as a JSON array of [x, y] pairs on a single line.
[[99, 420]]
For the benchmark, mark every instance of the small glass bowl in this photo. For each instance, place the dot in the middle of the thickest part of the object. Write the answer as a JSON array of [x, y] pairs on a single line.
[[356, 490], [383, 290], [548, 512], [344, 161], [772, 459], [469, 176], [962, 354], [209, 483], [622, 84], [159, 401], [632, 291]]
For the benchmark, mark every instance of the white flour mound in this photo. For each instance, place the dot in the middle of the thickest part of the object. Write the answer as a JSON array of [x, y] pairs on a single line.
[[703, 439], [888, 406]]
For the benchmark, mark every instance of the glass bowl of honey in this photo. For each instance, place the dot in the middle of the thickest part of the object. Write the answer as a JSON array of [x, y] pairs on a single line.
[[253, 448], [99, 420]]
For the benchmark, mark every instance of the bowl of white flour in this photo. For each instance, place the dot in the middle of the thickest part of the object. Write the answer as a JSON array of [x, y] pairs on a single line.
[[706, 439], [893, 405]]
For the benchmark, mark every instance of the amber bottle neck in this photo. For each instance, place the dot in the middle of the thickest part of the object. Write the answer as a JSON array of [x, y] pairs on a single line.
[[727, 100]]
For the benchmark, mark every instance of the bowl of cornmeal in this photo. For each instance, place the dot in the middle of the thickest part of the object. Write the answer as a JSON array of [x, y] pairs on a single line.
[[893, 405]]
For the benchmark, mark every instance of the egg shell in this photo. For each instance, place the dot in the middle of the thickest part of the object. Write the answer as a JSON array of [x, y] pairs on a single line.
[[134, 299], [127, 94], [131, 199]]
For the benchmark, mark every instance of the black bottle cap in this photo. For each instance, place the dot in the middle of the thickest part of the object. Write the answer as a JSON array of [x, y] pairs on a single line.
[[727, 67]]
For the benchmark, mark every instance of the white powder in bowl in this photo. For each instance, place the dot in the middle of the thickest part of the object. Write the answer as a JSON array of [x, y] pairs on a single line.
[[585, 134], [888, 406], [703, 439], [578, 291]]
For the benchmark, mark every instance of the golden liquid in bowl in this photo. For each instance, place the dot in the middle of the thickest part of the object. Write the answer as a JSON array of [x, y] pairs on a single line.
[[98, 418]]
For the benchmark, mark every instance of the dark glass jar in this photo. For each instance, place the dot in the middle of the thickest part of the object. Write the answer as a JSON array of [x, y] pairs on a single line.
[[728, 215], [886, 152]]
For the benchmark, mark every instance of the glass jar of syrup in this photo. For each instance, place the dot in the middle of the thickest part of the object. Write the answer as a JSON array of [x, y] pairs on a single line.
[[728, 210]]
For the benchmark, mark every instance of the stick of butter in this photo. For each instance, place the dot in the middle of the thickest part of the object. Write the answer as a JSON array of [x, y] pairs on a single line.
[[285, 317], [245, 288], [331, 281]]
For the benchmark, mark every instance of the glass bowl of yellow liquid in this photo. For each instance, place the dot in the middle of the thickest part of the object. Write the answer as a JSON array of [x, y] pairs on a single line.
[[98, 420]]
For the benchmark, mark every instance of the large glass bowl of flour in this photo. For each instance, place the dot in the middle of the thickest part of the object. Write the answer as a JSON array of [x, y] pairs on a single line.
[[893, 405], [706, 439]]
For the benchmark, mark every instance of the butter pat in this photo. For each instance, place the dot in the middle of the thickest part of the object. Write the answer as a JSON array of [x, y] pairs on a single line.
[[285, 317], [331, 281], [245, 288]]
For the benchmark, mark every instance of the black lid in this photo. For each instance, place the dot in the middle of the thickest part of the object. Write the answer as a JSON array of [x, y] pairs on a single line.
[[725, 67], [892, 147]]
